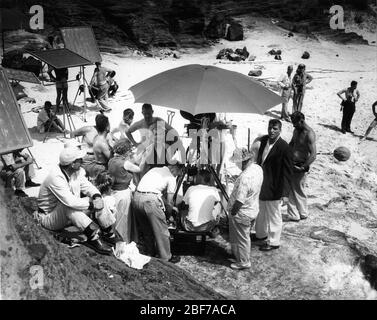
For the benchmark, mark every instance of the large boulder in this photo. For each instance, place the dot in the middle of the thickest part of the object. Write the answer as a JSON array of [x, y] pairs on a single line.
[[234, 32]]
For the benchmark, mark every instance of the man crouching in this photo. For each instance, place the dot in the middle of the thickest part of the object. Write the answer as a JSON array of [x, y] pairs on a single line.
[[60, 204]]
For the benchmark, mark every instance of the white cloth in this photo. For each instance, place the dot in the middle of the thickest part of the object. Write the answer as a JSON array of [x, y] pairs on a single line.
[[269, 221], [267, 149], [284, 81], [201, 200], [123, 217], [130, 255], [157, 180], [246, 190]]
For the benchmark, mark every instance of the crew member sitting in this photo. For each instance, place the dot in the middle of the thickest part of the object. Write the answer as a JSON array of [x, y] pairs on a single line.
[[60, 203], [201, 207], [17, 165], [47, 120], [113, 86]]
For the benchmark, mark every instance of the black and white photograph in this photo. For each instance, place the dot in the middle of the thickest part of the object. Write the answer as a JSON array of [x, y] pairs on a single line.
[[179, 151]]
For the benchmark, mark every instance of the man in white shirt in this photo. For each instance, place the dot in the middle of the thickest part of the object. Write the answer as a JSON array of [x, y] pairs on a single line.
[[243, 207], [201, 205], [285, 83], [149, 208], [60, 203]]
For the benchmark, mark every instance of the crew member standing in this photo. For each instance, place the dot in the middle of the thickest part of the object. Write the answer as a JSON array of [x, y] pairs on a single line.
[[351, 96]]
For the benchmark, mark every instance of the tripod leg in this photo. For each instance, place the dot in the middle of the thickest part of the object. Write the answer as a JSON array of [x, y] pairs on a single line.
[[35, 161], [179, 183], [218, 182]]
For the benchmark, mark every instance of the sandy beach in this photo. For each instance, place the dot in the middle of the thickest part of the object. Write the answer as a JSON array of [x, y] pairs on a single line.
[[342, 195]]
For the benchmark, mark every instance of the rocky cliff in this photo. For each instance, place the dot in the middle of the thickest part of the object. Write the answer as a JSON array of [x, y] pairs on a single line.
[[144, 24]]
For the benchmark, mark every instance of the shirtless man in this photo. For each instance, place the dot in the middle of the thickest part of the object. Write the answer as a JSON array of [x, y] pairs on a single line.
[[299, 82], [148, 125], [101, 148], [99, 81], [374, 122], [304, 151]]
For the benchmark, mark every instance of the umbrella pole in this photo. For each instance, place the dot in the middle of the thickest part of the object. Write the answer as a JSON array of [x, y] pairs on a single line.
[[248, 139]]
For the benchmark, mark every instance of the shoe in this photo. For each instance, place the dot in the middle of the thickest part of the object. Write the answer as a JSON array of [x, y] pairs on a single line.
[[349, 131], [97, 246], [268, 247], [30, 183], [175, 259], [344, 131], [109, 238], [232, 260], [240, 266], [303, 217], [214, 233], [254, 238], [20, 193], [288, 219]]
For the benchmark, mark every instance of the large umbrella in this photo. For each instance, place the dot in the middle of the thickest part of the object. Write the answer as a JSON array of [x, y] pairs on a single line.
[[199, 89]]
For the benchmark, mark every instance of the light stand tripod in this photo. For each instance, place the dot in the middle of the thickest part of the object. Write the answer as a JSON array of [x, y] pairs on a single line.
[[82, 88]]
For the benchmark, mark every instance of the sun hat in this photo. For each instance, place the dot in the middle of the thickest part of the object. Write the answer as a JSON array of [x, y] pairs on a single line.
[[73, 143], [70, 154], [240, 155]]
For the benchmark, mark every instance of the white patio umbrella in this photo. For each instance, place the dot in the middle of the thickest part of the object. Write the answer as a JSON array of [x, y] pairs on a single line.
[[199, 88]]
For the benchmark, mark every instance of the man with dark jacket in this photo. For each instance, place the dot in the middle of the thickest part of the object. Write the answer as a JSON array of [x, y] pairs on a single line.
[[275, 158]]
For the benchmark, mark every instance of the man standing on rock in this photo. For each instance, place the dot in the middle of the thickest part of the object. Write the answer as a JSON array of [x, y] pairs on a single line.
[[275, 158], [299, 82], [285, 83], [60, 202], [303, 146]]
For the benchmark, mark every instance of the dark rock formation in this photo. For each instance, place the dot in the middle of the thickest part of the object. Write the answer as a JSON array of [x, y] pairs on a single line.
[[119, 25], [305, 55], [79, 273]]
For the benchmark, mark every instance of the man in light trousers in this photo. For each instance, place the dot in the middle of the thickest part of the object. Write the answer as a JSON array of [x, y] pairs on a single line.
[[243, 209], [275, 157], [60, 204]]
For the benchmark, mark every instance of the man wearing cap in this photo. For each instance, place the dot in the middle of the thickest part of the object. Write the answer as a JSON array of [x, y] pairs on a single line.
[[299, 82], [60, 204], [243, 208], [149, 208]]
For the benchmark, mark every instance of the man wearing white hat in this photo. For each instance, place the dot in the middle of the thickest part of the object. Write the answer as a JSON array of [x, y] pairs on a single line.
[[60, 204], [243, 207]]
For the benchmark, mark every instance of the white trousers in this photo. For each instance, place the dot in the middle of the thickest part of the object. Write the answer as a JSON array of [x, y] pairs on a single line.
[[123, 216], [269, 221], [63, 216]]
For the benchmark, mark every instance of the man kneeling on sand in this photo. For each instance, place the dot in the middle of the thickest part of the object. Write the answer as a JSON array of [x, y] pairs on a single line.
[[60, 204], [201, 205]]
